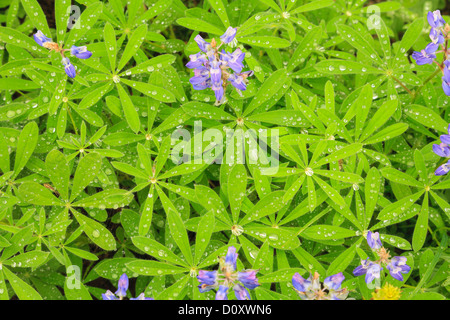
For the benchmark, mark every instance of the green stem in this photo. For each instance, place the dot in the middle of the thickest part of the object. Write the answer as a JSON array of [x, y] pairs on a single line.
[[403, 86], [71, 118]]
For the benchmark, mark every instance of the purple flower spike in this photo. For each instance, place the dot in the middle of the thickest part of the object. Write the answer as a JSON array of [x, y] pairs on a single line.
[[40, 38], [122, 287], [426, 56], [373, 239], [81, 52], [248, 279], [334, 282], [435, 19], [241, 293], [444, 169], [229, 35], [442, 150], [69, 68], [222, 293], [109, 296], [300, 284]]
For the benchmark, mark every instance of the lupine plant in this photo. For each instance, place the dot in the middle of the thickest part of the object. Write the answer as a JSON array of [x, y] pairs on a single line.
[[224, 149]]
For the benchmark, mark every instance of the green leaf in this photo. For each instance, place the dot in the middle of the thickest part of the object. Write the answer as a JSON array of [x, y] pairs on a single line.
[[203, 236], [200, 25], [219, 8], [25, 146], [87, 169], [157, 250], [59, 172], [327, 232], [22, 289], [427, 117], [96, 232], [265, 42], [109, 35], [153, 268], [333, 67], [129, 110], [421, 228]]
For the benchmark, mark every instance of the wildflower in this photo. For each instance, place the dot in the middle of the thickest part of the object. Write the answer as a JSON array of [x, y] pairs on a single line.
[[435, 19], [222, 293], [373, 239], [141, 297], [441, 150], [387, 292], [215, 70], [446, 81], [372, 269], [40, 38], [436, 36], [227, 277], [229, 35], [312, 289], [121, 292], [79, 52], [425, 56], [69, 68], [445, 138], [397, 266], [122, 286], [443, 169]]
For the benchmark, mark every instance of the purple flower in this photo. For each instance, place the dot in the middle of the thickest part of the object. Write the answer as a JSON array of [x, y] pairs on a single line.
[[445, 138], [426, 56], [216, 72], [443, 169], [81, 52], [109, 296], [435, 19], [231, 257], [446, 81], [442, 150], [436, 36], [300, 284], [141, 297], [222, 293], [207, 279], [362, 269], [397, 266], [234, 60], [197, 60], [218, 90], [69, 68], [237, 82], [202, 44], [40, 38], [229, 35], [248, 279], [241, 293], [122, 286], [334, 282], [373, 271], [373, 239]]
